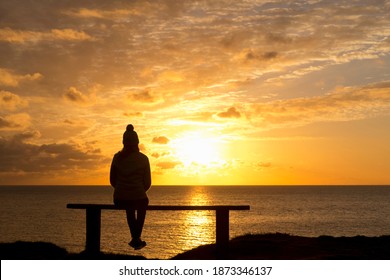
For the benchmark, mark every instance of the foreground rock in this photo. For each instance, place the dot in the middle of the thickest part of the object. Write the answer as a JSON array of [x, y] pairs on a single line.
[[287, 247], [22, 250]]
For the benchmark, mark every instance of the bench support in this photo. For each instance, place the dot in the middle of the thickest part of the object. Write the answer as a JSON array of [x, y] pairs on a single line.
[[92, 242], [222, 230]]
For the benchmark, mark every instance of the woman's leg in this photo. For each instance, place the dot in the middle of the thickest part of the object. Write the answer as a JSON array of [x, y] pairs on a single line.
[[140, 220], [132, 222], [135, 214], [140, 205], [130, 216]]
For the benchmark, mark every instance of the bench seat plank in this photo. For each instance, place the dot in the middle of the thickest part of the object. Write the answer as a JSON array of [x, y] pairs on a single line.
[[161, 207]]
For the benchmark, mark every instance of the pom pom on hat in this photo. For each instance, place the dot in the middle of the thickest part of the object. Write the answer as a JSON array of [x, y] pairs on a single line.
[[130, 137], [130, 127]]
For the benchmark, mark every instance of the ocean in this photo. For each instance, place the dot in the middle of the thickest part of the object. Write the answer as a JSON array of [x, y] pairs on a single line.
[[39, 213]]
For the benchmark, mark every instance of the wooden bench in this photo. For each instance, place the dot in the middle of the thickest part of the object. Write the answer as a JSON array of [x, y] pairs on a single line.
[[93, 221]]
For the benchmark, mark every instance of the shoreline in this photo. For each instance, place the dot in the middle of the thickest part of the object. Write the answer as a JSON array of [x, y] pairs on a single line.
[[271, 246]]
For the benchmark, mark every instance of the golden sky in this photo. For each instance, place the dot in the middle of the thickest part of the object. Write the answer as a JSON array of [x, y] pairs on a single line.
[[220, 92]]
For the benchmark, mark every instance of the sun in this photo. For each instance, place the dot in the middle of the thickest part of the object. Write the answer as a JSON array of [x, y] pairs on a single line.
[[197, 149]]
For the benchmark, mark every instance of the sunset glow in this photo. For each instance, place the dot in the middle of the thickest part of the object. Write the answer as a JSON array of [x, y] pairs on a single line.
[[196, 149], [219, 92]]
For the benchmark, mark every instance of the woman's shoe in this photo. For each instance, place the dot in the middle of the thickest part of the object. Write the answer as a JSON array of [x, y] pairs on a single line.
[[138, 244], [132, 243]]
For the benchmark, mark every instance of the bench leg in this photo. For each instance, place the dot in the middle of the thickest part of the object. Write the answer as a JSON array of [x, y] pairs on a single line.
[[92, 242], [222, 230]]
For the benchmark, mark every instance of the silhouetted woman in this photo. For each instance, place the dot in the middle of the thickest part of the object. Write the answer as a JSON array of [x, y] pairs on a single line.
[[130, 177]]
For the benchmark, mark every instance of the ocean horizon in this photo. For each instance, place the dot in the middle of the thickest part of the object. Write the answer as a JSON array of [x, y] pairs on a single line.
[[39, 213]]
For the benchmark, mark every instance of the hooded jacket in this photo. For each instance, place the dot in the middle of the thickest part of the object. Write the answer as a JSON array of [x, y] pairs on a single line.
[[130, 175]]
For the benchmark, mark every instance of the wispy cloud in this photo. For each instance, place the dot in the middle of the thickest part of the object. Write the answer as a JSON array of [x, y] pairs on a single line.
[[24, 36], [10, 79], [348, 103], [168, 164], [133, 114], [116, 15]]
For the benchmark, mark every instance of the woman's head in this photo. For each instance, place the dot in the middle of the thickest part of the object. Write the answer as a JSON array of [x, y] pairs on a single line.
[[130, 137]]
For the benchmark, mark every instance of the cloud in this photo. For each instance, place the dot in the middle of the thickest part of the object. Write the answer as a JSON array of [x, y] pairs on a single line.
[[27, 135], [124, 12], [76, 96], [230, 113], [201, 117], [77, 122], [142, 147], [160, 140], [69, 35], [158, 155], [15, 121], [22, 36], [348, 103], [8, 78], [263, 165], [168, 164], [20, 156], [133, 114], [10, 101], [115, 14], [144, 96], [17, 36], [254, 55], [155, 155]]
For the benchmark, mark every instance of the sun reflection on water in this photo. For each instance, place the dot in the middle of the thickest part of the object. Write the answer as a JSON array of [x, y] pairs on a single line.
[[199, 226]]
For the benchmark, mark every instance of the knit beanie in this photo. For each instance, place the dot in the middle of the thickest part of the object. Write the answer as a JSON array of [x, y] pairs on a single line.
[[130, 137]]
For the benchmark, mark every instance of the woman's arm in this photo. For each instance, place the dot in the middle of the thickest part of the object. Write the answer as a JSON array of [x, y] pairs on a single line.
[[147, 176], [113, 175]]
